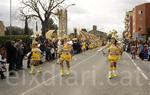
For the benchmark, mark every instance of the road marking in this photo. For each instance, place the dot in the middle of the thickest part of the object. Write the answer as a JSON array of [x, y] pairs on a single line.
[[29, 90], [138, 68]]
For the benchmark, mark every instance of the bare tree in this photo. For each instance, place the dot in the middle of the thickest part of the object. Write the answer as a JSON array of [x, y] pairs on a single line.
[[25, 18], [41, 9]]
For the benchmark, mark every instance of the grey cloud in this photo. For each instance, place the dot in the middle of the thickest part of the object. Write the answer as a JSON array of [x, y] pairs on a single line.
[[78, 10], [79, 14]]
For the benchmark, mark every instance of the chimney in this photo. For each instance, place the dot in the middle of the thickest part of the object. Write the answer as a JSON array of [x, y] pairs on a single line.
[[94, 27]]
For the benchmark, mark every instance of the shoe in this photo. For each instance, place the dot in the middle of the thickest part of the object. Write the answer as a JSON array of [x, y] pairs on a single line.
[[110, 76], [68, 72], [62, 73], [39, 71], [3, 77], [115, 75], [31, 72]]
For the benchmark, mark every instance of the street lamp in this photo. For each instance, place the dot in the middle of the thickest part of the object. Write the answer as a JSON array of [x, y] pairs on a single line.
[[67, 16], [10, 16], [70, 5]]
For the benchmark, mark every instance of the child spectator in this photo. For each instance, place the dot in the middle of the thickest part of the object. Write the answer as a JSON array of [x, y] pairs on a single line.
[[2, 63]]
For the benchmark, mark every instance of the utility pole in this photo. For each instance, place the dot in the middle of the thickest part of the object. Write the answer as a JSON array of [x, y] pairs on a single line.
[[10, 17], [66, 17]]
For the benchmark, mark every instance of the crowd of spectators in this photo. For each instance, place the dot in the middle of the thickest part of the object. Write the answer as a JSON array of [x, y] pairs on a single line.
[[14, 52], [139, 48]]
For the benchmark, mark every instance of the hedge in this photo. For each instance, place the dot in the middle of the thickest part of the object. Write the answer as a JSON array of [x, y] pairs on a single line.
[[4, 39]]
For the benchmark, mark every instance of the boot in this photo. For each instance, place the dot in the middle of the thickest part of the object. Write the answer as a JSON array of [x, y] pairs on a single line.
[[68, 72], [115, 73], [62, 73], [32, 69], [110, 75], [39, 69], [58, 61]]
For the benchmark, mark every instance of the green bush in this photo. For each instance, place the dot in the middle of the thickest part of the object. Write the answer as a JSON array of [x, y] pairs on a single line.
[[4, 39]]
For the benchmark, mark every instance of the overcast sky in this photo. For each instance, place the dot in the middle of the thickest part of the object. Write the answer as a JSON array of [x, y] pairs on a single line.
[[106, 14]]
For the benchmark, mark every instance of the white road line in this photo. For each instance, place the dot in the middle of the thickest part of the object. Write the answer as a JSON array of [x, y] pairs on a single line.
[[29, 90], [138, 68]]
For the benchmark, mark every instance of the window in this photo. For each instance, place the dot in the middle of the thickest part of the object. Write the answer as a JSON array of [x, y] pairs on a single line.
[[140, 12], [140, 29]]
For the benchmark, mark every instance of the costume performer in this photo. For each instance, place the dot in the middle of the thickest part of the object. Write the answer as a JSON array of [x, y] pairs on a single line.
[[35, 57], [65, 57], [114, 53]]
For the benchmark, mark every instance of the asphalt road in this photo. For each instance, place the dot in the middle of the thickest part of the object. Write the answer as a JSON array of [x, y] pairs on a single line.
[[89, 77]]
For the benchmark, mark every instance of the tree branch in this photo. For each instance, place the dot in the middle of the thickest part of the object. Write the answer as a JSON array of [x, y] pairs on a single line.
[[51, 3], [57, 4], [42, 5], [32, 4]]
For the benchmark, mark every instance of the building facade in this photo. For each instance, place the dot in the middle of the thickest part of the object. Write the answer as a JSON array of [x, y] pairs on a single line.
[[129, 25], [137, 22], [141, 19], [97, 33], [2, 29]]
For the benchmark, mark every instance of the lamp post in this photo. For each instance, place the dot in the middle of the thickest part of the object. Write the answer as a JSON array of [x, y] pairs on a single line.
[[66, 11], [10, 16]]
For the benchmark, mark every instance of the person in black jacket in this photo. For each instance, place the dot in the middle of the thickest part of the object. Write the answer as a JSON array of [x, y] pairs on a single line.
[[11, 56]]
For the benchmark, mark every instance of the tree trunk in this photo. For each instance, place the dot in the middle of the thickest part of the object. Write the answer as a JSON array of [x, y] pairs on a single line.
[[44, 27], [26, 29]]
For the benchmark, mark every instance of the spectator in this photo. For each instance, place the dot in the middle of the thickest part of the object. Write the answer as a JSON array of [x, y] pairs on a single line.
[[20, 54], [149, 52], [2, 62], [11, 56], [48, 50], [133, 50], [141, 54]]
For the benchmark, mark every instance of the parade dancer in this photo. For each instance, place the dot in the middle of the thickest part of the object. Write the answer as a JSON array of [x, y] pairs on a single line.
[[36, 58], [83, 46], [65, 57], [114, 52]]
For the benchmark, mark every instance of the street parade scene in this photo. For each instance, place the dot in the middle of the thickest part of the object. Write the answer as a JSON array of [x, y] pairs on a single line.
[[81, 47]]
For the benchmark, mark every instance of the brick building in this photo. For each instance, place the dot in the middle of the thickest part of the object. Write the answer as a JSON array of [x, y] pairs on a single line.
[[137, 21], [141, 19], [129, 24]]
